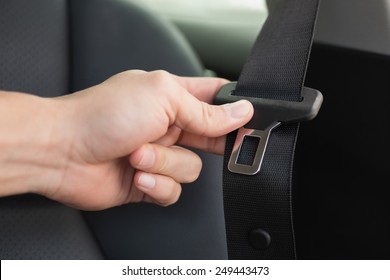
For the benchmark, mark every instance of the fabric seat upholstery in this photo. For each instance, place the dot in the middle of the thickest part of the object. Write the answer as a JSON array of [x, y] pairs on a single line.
[[53, 47]]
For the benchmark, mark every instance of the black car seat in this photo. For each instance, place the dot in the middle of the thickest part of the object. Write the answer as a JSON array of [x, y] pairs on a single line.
[[53, 47]]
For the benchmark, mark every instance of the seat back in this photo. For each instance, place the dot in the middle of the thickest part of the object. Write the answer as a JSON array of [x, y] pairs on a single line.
[[34, 58], [53, 47]]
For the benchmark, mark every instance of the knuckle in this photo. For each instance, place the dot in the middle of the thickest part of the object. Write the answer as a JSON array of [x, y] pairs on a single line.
[[165, 88], [194, 170], [143, 158], [138, 158], [162, 162], [215, 145], [172, 196], [160, 78], [207, 117]]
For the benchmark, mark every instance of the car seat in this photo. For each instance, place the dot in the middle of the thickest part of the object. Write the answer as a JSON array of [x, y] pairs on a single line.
[[53, 47], [341, 209]]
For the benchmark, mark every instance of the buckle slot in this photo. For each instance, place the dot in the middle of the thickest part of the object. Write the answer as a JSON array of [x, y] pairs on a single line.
[[234, 166]]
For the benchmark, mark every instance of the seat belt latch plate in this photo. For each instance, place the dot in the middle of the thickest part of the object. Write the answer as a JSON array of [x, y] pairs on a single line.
[[268, 114]]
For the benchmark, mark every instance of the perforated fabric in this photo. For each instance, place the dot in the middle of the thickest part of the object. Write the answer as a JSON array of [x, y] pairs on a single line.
[[34, 46], [34, 55], [33, 227], [36, 228]]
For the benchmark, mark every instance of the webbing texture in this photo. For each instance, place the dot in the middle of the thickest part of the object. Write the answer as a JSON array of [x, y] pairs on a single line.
[[276, 70]]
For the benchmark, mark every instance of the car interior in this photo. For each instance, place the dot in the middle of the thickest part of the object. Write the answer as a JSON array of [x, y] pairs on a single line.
[[340, 183]]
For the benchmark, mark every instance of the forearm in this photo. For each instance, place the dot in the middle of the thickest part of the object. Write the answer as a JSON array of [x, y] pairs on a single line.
[[30, 158]]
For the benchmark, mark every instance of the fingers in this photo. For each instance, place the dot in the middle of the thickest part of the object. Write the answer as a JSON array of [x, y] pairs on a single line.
[[214, 145], [209, 120], [178, 163], [198, 124], [162, 169], [159, 189], [185, 101], [204, 119], [201, 118]]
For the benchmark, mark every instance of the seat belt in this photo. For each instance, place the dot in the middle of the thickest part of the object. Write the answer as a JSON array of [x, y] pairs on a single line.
[[258, 164]]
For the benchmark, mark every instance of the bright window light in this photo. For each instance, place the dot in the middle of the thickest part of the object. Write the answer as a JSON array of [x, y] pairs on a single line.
[[216, 10]]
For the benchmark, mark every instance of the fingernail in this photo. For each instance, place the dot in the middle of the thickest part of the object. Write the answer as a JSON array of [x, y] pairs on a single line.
[[148, 158], [239, 109], [146, 181]]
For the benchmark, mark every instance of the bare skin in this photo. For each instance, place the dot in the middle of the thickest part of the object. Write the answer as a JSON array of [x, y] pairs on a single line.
[[114, 143]]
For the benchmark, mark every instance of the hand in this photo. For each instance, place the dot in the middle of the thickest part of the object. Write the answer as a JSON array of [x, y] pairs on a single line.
[[122, 136]]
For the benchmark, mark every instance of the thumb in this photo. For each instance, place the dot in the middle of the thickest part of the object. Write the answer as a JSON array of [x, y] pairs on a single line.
[[203, 119]]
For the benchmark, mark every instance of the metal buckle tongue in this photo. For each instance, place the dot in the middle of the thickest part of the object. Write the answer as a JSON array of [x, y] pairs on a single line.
[[254, 168], [268, 115]]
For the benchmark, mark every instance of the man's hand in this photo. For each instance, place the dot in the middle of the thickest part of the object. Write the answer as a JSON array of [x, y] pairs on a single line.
[[120, 138]]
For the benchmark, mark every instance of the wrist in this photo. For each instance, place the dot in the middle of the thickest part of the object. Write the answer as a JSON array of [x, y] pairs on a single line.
[[32, 154]]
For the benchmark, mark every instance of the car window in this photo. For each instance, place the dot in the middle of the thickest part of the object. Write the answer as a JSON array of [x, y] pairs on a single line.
[[243, 11], [221, 31]]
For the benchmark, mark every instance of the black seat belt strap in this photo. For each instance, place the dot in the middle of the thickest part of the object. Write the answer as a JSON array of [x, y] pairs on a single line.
[[258, 164]]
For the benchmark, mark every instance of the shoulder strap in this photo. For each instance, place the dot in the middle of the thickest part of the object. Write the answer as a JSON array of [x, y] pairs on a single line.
[[258, 164]]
